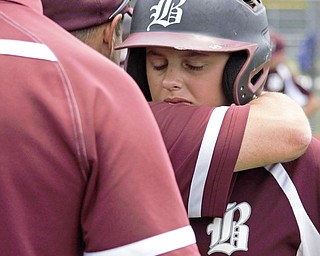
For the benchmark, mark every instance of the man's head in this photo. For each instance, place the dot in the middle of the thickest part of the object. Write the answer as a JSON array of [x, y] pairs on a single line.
[[238, 28], [97, 23]]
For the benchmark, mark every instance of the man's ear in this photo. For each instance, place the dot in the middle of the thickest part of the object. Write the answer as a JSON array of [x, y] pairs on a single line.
[[109, 33]]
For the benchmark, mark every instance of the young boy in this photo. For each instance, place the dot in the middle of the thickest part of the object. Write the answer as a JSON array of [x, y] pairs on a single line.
[[215, 53]]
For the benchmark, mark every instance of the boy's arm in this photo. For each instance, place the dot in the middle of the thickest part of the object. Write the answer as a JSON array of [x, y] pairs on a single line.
[[277, 130]]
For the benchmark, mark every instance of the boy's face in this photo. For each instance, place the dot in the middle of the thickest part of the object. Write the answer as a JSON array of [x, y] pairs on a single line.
[[186, 76]]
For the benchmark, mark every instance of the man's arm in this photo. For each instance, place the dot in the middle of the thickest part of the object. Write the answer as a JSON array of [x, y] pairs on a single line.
[[277, 131]]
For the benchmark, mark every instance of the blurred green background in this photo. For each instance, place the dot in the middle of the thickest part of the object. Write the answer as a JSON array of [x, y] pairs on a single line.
[[298, 22]]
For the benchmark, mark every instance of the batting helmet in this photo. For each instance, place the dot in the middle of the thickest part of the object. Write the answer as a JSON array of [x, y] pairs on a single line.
[[239, 27]]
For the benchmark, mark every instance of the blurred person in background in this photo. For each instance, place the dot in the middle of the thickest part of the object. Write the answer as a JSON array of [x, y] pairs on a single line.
[[282, 79]]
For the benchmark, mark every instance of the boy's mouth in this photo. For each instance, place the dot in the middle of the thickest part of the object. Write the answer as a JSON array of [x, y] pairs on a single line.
[[177, 101]]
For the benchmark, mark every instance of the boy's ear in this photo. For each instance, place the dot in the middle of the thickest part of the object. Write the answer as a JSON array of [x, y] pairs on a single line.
[[109, 32]]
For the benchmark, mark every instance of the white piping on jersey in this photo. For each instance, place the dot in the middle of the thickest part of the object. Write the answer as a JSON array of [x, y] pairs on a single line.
[[26, 49], [290, 87], [310, 237], [152, 246], [203, 162], [41, 51]]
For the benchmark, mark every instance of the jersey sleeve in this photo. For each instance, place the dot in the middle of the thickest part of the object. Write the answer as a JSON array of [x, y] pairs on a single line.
[[220, 178], [203, 145]]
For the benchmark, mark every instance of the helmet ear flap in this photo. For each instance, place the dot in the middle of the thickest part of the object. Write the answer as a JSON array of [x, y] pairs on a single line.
[[231, 71], [136, 68]]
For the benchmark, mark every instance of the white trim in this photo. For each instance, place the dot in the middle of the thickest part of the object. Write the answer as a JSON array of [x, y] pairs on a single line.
[[26, 49], [290, 88], [310, 237], [152, 246], [203, 162]]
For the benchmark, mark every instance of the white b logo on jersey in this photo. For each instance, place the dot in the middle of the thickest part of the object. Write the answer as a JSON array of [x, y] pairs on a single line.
[[227, 235], [166, 13]]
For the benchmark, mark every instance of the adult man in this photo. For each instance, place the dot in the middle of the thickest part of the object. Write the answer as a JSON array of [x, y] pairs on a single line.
[[74, 180], [211, 53]]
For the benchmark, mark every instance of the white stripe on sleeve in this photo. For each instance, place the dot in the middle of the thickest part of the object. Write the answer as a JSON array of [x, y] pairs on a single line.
[[203, 162], [152, 246], [26, 49]]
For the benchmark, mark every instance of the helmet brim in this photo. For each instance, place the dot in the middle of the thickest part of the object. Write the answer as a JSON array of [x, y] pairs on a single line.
[[183, 41]]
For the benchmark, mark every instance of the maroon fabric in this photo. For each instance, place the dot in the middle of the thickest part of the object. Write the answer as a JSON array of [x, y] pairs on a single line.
[[269, 222], [79, 14], [182, 127], [83, 166], [259, 219], [219, 183]]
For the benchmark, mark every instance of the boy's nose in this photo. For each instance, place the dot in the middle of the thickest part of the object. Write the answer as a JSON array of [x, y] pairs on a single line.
[[172, 80]]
